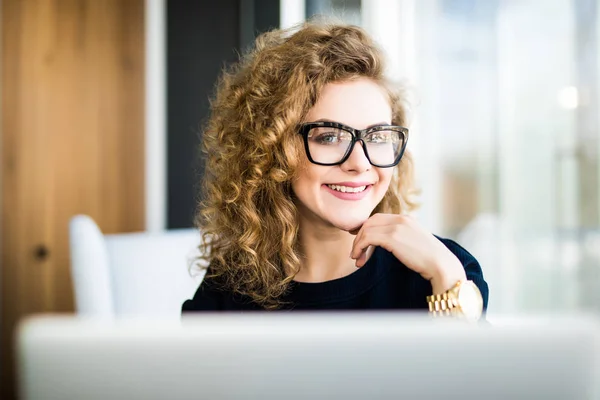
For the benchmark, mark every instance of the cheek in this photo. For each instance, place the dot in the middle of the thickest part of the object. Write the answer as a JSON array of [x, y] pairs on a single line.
[[304, 183], [298, 188], [385, 177]]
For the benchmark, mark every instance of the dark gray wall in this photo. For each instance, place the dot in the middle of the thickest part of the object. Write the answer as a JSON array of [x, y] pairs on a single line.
[[202, 37]]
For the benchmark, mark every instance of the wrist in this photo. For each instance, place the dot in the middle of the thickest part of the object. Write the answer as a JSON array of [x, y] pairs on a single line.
[[447, 276]]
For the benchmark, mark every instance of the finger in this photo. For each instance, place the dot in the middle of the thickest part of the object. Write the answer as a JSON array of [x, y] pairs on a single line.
[[376, 220], [372, 237], [354, 252], [391, 221], [359, 246], [365, 256], [385, 219], [373, 221], [362, 259], [379, 236]]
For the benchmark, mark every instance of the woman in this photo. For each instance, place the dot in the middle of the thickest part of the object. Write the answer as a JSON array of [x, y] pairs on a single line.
[[308, 186]]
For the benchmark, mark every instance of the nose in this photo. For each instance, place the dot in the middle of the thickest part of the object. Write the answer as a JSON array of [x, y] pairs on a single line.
[[357, 161]]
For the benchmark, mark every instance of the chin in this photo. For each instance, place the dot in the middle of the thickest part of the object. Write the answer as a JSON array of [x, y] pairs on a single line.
[[348, 224]]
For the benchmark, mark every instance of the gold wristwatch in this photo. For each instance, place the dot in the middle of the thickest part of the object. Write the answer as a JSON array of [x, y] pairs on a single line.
[[462, 300]]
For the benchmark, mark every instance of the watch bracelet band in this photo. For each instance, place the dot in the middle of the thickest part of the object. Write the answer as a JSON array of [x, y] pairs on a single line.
[[442, 305]]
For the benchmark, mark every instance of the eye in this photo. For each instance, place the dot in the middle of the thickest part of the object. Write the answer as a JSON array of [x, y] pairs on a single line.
[[328, 136]]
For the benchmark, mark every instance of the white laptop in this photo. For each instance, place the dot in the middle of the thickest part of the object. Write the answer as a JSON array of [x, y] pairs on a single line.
[[307, 356]]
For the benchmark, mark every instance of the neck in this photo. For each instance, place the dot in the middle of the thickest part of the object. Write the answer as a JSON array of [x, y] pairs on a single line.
[[326, 251]]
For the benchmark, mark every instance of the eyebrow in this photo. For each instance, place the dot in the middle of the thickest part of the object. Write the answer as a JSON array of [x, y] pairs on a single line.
[[337, 122]]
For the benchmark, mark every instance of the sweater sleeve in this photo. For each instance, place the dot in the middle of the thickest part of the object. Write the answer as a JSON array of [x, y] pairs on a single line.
[[471, 266]]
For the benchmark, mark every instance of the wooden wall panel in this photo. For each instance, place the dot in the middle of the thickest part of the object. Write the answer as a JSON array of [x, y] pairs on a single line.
[[72, 141]]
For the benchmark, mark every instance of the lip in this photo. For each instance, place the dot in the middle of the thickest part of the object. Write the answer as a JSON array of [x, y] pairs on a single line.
[[348, 195]]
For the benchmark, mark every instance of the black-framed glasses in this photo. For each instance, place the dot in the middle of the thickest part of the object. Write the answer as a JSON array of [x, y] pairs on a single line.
[[331, 143]]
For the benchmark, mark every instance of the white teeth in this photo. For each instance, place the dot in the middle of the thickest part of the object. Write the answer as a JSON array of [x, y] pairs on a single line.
[[347, 189]]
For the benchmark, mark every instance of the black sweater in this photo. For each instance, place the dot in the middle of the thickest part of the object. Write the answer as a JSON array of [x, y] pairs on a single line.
[[382, 283]]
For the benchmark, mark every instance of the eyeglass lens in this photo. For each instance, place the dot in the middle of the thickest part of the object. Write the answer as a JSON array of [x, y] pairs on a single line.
[[328, 145]]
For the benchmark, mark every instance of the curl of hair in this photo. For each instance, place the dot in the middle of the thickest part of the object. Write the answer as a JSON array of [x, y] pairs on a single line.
[[252, 152]]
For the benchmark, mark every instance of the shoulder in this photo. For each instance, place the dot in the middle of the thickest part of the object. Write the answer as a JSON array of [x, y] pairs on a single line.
[[206, 298], [460, 252], [211, 296]]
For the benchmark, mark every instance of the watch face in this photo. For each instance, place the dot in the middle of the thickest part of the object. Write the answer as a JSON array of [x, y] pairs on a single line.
[[470, 301]]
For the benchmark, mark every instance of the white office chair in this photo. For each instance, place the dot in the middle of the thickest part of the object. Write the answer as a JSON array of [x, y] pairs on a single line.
[[133, 274]]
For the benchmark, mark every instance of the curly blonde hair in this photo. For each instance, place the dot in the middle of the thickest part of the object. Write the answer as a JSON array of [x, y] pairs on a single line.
[[248, 218]]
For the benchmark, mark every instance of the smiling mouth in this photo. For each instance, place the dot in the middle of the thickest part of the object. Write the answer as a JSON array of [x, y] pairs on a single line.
[[347, 189]]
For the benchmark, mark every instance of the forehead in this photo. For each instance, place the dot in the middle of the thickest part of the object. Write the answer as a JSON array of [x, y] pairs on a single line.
[[357, 103]]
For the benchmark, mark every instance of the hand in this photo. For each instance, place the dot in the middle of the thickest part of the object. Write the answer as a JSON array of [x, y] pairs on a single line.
[[416, 248]]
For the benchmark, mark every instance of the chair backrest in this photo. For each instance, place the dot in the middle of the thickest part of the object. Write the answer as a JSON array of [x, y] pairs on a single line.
[[141, 274]]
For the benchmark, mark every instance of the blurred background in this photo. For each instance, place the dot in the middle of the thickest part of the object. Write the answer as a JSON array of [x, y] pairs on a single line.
[[103, 100]]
